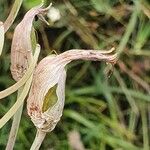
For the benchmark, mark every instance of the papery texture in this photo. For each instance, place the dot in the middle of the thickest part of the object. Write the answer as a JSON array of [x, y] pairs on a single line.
[[21, 49], [51, 72], [52, 76]]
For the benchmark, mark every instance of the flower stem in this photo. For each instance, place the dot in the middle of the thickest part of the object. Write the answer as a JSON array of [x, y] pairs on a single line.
[[12, 15], [40, 135], [15, 126], [24, 79], [17, 104]]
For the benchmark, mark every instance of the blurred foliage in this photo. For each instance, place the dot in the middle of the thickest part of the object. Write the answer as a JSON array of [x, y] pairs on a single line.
[[29, 4], [109, 113]]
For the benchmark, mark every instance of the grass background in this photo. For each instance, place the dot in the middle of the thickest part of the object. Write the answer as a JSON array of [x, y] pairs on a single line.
[[109, 113]]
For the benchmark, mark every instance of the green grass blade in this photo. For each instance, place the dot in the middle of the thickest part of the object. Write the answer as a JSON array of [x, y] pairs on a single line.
[[128, 32]]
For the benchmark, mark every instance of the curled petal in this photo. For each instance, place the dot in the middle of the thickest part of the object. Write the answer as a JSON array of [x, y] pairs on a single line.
[[21, 50], [49, 73]]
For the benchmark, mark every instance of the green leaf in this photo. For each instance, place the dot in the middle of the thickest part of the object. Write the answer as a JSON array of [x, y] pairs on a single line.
[[28, 4], [50, 99]]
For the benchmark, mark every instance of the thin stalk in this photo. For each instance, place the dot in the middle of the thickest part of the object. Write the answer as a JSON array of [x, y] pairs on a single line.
[[133, 121], [15, 126], [129, 30], [145, 127], [113, 89], [112, 104], [127, 94], [138, 95], [113, 108], [18, 103], [40, 135], [12, 15]]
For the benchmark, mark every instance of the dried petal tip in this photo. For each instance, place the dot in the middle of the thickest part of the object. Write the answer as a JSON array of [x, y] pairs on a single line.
[[47, 95]]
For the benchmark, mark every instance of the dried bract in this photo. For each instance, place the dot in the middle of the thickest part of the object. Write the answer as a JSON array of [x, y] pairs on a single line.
[[47, 95], [21, 49]]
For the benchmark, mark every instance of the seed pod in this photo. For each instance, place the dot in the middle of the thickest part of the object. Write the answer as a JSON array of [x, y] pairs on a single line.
[[47, 95], [21, 49]]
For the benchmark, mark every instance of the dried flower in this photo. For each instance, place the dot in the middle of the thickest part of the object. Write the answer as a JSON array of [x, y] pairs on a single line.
[[21, 50], [47, 95], [21, 58]]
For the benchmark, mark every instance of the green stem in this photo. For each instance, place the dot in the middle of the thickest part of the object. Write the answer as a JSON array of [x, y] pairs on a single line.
[[132, 121], [127, 94], [145, 126], [128, 32]]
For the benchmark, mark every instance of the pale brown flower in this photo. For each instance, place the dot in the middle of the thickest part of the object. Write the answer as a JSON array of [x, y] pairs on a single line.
[[47, 95], [21, 49]]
